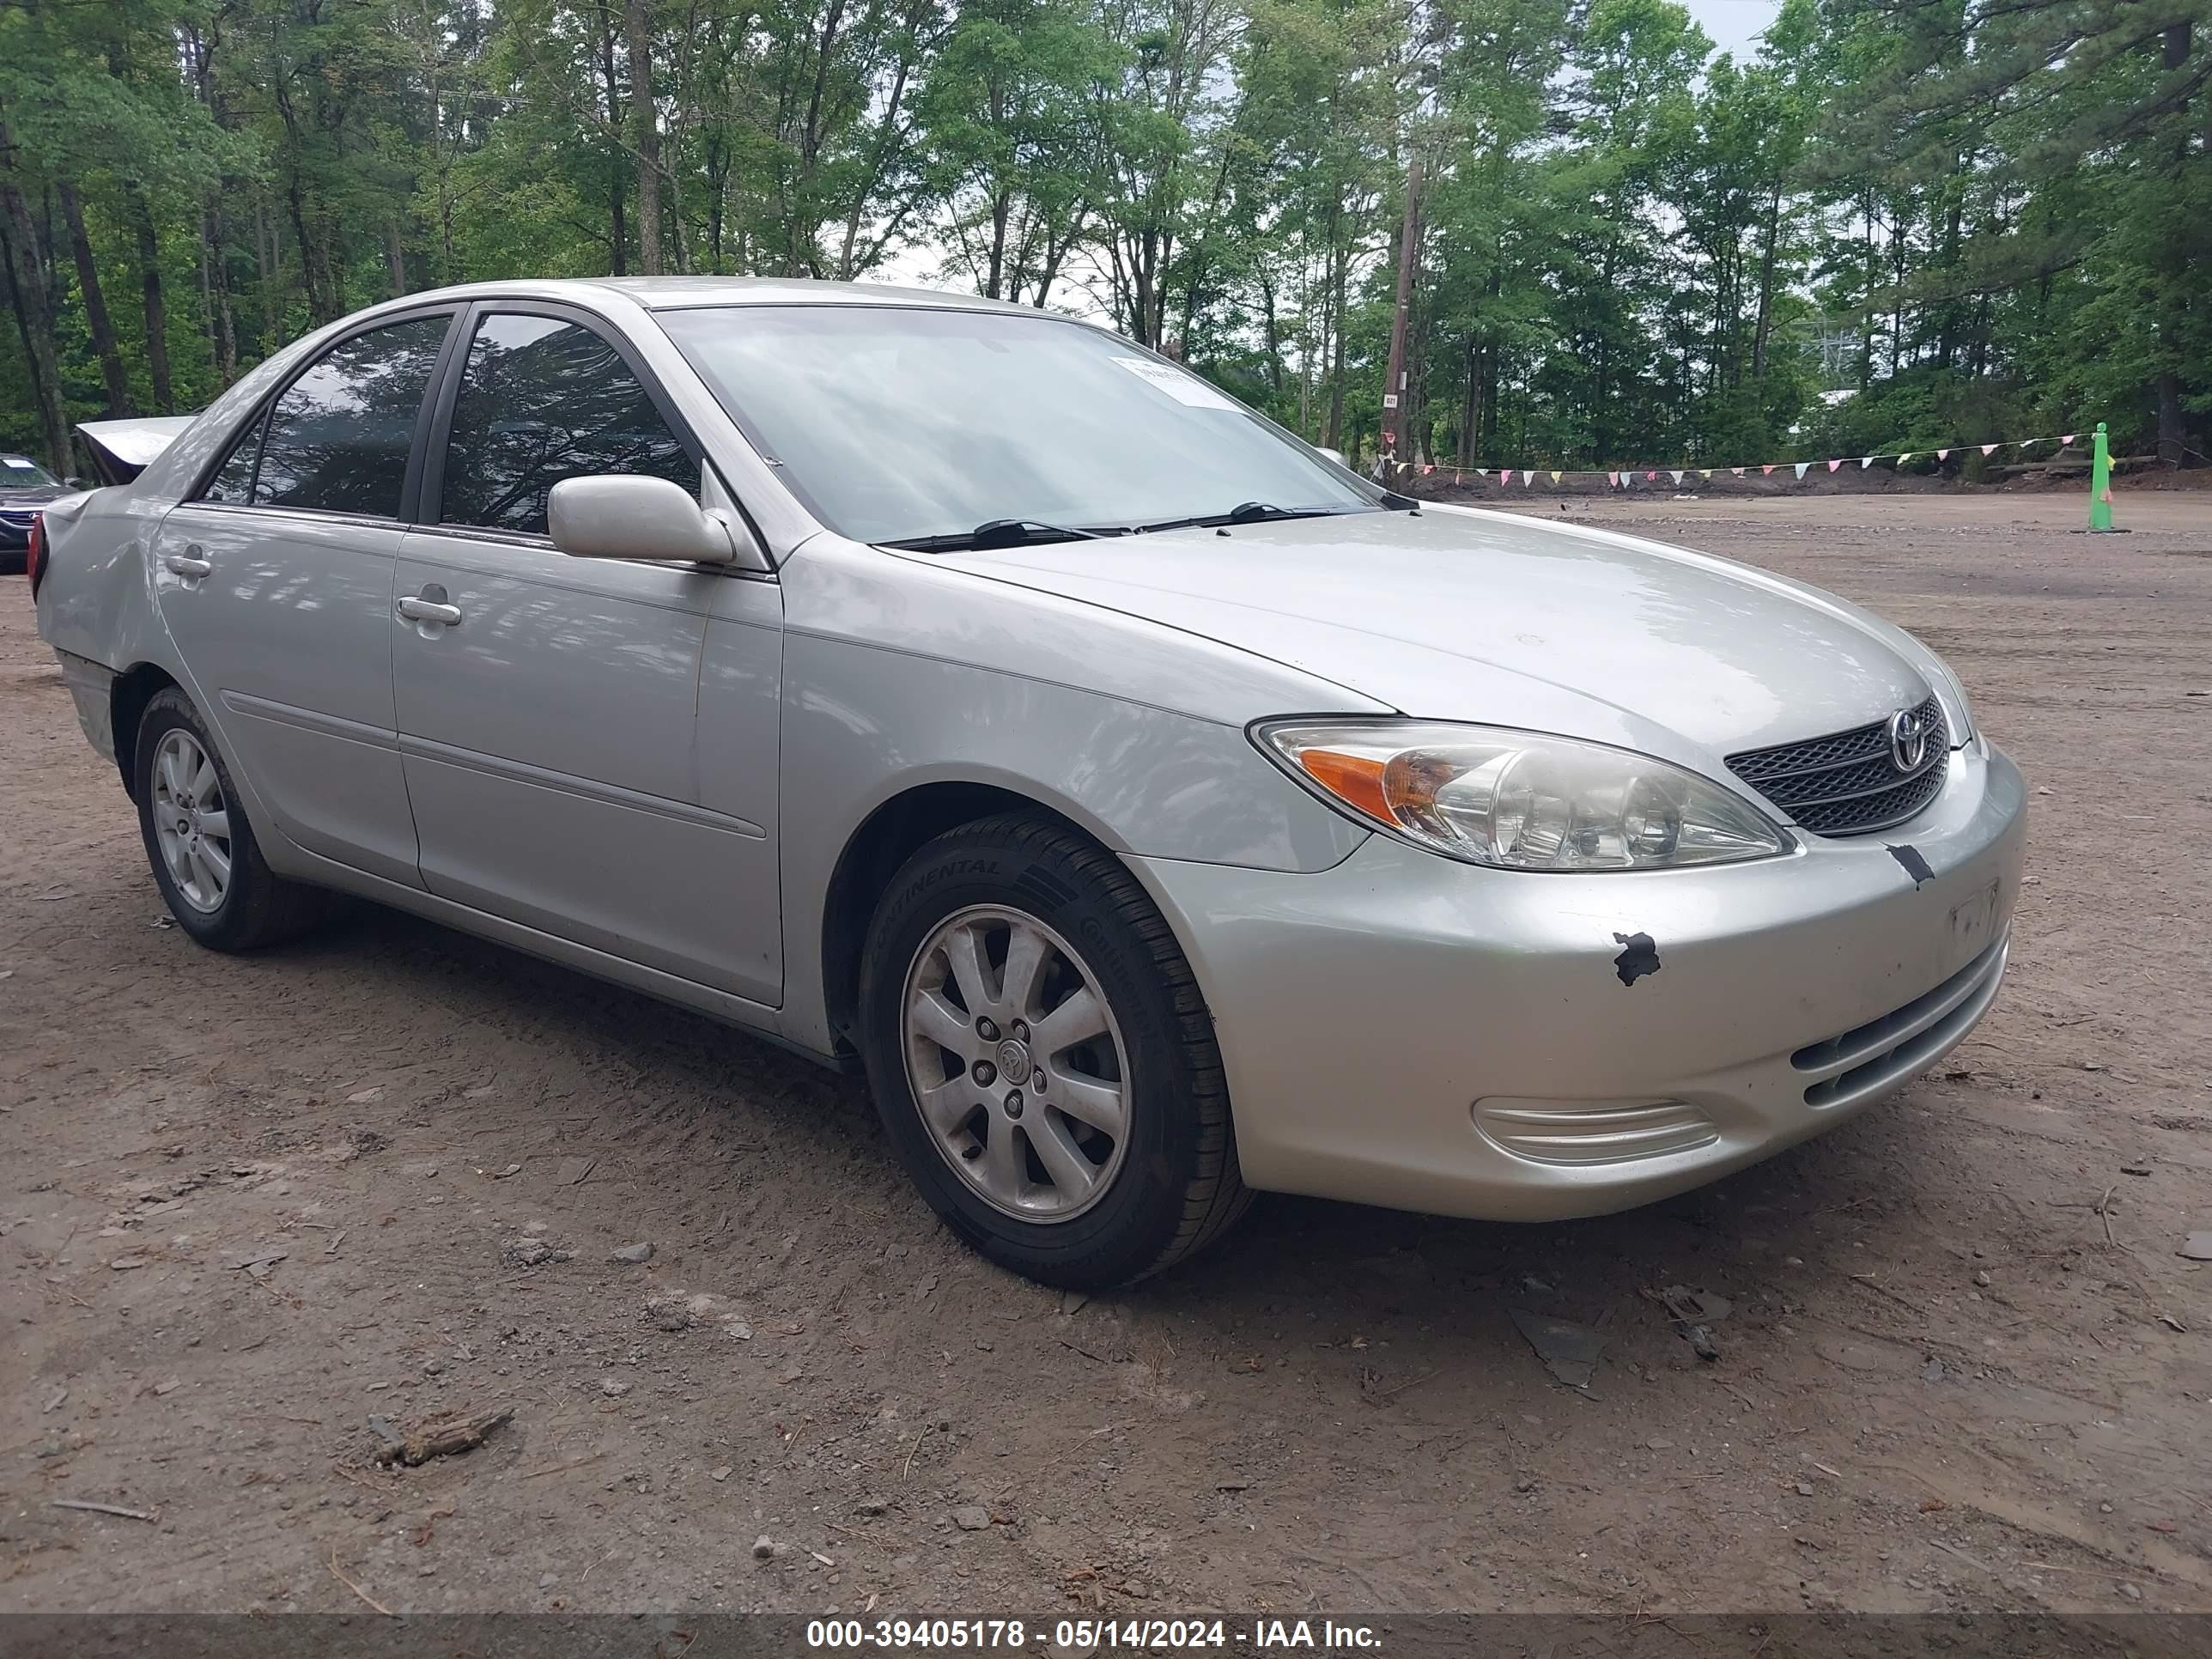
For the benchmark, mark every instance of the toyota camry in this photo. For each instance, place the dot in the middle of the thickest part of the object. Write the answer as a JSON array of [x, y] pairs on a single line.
[[1153, 809]]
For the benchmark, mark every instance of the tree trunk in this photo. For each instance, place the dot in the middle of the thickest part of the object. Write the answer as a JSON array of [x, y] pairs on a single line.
[[2173, 310], [222, 323], [1274, 340], [153, 306], [1762, 330], [97, 322], [395, 259], [617, 229], [33, 300], [1463, 450], [645, 119]]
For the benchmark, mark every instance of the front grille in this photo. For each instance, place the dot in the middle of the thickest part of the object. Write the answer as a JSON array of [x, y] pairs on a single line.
[[1846, 784]]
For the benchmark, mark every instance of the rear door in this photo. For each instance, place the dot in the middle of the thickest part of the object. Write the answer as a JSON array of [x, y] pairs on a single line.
[[275, 582], [548, 706]]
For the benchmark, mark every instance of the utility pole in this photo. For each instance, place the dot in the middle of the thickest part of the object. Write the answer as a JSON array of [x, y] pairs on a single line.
[[1394, 389]]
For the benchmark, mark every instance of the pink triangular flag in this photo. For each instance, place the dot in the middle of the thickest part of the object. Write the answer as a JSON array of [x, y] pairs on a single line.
[[1651, 477], [1767, 470], [1802, 465], [1427, 470], [1832, 465], [1739, 470], [1505, 475], [1612, 480], [1988, 449], [1942, 454], [2067, 439]]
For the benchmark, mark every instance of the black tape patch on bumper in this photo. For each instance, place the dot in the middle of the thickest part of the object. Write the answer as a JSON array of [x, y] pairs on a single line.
[[1641, 957], [1915, 866]]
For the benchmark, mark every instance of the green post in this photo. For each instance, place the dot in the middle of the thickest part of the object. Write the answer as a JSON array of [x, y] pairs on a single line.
[[2100, 486]]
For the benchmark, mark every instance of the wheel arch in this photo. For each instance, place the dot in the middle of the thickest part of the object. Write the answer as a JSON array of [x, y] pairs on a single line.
[[885, 839], [133, 689]]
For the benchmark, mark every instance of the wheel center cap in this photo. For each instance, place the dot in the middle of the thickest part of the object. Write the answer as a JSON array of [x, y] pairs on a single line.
[[1014, 1062]]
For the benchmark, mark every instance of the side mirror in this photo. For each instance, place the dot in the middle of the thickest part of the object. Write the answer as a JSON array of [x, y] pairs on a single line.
[[1336, 455], [629, 516]]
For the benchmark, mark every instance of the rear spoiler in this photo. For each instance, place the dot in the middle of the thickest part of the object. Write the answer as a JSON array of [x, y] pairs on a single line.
[[121, 450]]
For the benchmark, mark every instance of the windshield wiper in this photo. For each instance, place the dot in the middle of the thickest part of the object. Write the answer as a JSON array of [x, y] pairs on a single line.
[[1000, 532], [1243, 513]]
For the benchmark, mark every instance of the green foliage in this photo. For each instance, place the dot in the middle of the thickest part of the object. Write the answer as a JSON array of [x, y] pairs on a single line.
[[1982, 218]]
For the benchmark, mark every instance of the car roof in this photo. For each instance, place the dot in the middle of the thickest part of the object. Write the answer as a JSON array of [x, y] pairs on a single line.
[[678, 293]]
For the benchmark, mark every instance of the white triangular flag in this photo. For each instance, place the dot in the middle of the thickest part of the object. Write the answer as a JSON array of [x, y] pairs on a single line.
[[1676, 476], [2067, 439], [1737, 470], [1988, 449], [1482, 472], [1528, 477], [1942, 454], [1802, 465]]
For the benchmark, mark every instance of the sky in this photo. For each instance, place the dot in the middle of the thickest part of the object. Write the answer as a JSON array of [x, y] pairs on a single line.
[[1732, 24]]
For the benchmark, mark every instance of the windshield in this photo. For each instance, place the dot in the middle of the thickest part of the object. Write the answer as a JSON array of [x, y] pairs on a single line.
[[898, 423], [21, 472]]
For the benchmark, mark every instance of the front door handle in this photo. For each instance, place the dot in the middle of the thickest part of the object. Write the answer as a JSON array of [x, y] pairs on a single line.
[[429, 610], [189, 563]]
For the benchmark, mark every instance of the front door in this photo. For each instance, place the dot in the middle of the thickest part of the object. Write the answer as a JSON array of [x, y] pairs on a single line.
[[275, 583], [548, 706]]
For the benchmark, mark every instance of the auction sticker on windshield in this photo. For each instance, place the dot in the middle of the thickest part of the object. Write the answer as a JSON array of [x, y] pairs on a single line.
[[1184, 388]]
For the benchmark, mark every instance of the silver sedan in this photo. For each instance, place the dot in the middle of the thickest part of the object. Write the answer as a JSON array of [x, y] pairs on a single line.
[[1154, 809]]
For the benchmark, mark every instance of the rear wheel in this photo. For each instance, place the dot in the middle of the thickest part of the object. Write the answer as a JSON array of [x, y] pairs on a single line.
[[1042, 1057], [204, 858]]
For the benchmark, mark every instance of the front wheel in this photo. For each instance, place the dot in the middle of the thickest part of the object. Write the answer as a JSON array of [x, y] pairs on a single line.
[[1042, 1059]]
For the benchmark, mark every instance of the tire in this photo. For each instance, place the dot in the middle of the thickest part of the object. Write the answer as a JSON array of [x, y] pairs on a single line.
[[1166, 1186], [251, 906]]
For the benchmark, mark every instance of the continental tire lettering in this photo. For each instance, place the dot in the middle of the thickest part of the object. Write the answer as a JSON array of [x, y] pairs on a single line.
[[962, 867]]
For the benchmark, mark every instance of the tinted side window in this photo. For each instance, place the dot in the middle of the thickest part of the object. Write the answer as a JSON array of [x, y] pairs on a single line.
[[542, 400], [338, 437], [234, 479]]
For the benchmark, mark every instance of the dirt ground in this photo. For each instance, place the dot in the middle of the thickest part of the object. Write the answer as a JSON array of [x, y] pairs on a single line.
[[248, 1204]]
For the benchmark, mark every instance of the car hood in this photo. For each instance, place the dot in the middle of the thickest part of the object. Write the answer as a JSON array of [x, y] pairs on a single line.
[[36, 495], [1455, 614]]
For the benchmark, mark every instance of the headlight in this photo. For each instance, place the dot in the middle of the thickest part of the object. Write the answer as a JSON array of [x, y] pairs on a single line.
[[1521, 800]]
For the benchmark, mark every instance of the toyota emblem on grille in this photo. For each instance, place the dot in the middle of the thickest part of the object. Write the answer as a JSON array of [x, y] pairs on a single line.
[[1908, 739]]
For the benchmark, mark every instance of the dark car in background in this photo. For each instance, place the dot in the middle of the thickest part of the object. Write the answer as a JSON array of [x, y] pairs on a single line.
[[25, 489]]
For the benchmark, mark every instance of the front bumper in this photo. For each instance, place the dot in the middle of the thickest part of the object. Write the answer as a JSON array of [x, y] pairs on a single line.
[[1408, 1031]]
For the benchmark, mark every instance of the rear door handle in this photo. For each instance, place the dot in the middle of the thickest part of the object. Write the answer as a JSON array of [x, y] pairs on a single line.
[[429, 610], [188, 562]]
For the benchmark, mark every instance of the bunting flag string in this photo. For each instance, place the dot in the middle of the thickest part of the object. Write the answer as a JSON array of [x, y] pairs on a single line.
[[1624, 478]]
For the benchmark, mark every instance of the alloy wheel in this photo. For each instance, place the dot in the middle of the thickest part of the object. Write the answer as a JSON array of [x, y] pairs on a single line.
[[191, 821], [1017, 1063]]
